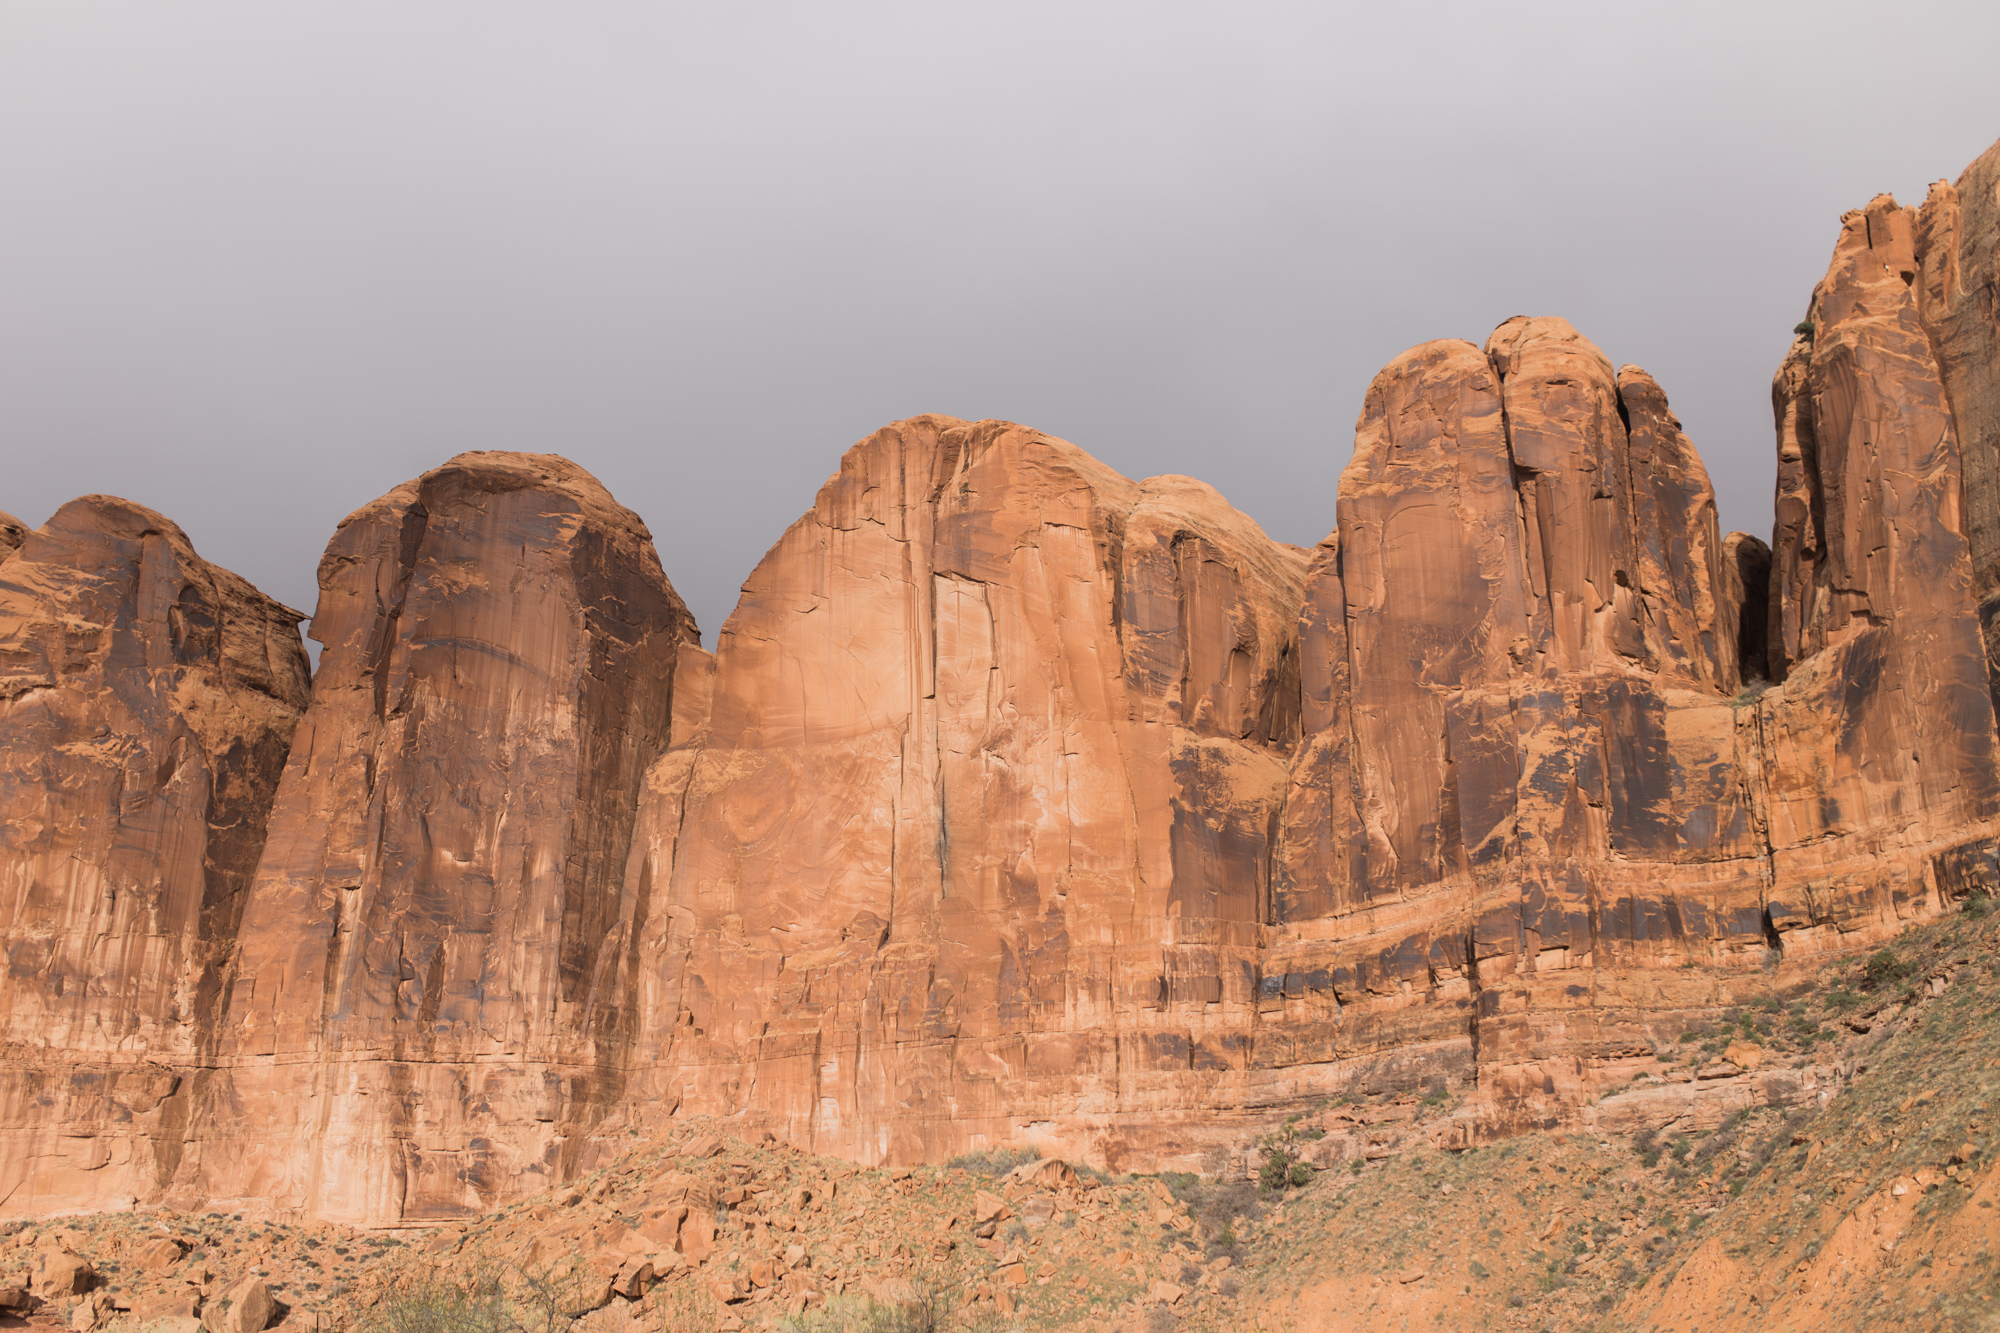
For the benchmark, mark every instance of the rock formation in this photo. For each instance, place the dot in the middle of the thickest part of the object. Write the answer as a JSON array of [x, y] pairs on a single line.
[[428, 995], [1956, 251], [12, 533], [983, 816], [1019, 801], [146, 701]]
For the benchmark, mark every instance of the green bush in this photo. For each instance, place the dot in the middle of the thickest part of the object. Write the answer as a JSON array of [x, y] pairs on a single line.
[[1885, 968]]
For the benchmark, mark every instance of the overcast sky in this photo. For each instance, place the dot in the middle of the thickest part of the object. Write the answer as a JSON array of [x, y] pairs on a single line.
[[259, 263]]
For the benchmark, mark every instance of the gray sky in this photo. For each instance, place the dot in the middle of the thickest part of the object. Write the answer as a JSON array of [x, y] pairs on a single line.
[[259, 263]]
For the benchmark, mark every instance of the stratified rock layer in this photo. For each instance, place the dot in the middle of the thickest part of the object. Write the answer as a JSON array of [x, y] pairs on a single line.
[[427, 1000], [146, 701]]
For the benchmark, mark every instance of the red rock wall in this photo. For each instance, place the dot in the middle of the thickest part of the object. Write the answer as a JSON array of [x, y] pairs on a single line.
[[1956, 246], [982, 820], [146, 701], [1019, 801], [421, 1017]]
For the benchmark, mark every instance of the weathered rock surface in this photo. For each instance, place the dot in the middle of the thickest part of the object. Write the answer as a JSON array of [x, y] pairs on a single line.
[[432, 990], [1956, 248], [12, 533], [146, 701], [1883, 732], [1532, 789], [1021, 801], [983, 816]]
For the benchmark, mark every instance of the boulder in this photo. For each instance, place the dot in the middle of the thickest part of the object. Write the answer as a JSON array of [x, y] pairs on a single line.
[[159, 1253], [57, 1274], [1745, 1055], [245, 1307]]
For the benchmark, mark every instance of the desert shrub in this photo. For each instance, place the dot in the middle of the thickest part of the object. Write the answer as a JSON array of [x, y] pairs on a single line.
[[1723, 1139], [1884, 968], [1282, 1168], [481, 1293], [431, 1301], [995, 1161], [932, 1307], [1780, 1137], [1215, 1206]]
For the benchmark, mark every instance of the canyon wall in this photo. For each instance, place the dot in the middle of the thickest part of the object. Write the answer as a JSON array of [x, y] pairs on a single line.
[[1019, 801], [146, 702], [424, 1003], [1955, 250], [982, 826]]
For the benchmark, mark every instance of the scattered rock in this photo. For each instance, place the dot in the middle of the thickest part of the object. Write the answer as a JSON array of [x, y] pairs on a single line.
[[60, 1273], [1745, 1055], [161, 1253], [246, 1307]]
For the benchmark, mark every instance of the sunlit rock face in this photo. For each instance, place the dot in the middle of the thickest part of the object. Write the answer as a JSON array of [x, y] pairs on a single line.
[[1955, 246], [1544, 770], [1019, 802], [981, 828], [147, 698], [428, 1005]]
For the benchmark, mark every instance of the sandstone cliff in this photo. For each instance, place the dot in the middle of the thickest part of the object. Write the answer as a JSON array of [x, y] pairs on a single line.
[[1019, 801], [422, 1010], [1956, 250], [146, 700], [982, 823]]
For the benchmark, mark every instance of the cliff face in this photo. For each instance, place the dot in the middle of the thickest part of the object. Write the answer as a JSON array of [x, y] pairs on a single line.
[[1534, 784], [983, 817], [146, 700], [1019, 801], [425, 999], [1543, 802], [1956, 251]]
